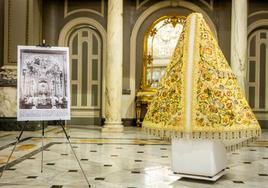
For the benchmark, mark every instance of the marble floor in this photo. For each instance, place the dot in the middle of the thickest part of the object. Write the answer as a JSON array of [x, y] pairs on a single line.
[[130, 159]]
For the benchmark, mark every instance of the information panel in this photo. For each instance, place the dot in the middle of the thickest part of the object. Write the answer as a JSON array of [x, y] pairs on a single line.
[[43, 83]]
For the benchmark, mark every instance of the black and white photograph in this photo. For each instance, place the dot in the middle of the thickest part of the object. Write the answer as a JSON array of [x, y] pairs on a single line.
[[43, 83]]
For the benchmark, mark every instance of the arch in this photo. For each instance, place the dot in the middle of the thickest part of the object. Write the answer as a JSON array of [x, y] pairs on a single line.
[[139, 23], [68, 29], [258, 12], [256, 24]]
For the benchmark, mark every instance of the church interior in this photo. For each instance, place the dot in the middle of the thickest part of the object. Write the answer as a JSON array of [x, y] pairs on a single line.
[[119, 54]]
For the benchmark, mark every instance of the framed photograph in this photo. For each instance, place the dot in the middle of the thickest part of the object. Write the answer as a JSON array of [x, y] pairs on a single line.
[[43, 83]]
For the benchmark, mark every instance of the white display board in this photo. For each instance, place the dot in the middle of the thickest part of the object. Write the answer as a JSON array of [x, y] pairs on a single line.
[[43, 83]]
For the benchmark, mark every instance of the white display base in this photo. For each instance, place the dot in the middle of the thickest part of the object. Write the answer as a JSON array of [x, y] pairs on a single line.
[[214, 178], [202, 159]]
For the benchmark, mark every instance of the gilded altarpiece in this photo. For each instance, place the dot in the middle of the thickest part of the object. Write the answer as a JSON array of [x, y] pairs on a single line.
[[159, 43]]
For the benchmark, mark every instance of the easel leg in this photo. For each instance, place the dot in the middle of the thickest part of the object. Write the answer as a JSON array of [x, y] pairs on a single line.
[[18, 139], [68, 139], [42, 149]]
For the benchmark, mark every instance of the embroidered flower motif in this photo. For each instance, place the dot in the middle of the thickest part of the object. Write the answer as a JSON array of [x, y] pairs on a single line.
[[204, 35], [218, 106]]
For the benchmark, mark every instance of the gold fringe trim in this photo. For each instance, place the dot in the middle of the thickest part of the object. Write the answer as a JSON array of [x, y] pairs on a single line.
[[242, 136], [240, 145]]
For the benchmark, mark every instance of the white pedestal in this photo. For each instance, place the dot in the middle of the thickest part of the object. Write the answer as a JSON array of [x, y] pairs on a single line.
[[202, 159]]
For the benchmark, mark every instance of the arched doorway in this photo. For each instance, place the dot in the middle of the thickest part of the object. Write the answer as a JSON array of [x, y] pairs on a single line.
[[86, 39], [257, 74], [85, 47]]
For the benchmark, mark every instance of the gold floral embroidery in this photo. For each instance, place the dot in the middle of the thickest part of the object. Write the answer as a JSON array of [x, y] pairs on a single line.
[[219, 108]]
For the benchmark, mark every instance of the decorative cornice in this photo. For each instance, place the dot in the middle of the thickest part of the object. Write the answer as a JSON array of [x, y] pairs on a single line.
[[256, 24], [8, 77]]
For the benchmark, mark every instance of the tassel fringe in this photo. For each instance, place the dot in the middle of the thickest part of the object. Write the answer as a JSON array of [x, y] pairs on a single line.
[[233, 139]]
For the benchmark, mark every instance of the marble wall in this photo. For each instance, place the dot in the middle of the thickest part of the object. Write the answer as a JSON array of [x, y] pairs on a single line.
[[19, 25], [1, 31], [53, 14], [8, 101], [222, 11]]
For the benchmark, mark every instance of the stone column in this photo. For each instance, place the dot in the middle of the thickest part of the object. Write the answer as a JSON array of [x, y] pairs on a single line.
[[239, 40], [113, 88]]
